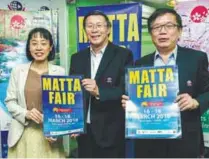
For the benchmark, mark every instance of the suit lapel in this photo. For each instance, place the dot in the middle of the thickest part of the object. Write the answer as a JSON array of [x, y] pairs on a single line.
[[107, 57], [151, 60], [180, 62], [179, 58], [87, 63], [51, 69], [85, 69], [24, 74]]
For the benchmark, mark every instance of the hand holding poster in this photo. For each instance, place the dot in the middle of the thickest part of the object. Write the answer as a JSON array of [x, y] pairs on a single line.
[[151, 111], [63, 105]]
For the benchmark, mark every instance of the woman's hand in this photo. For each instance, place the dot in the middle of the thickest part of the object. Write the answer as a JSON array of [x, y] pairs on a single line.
[[51, 139], [34, 115]]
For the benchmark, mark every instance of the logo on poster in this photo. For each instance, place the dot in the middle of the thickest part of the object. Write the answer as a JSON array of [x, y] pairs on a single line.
[[199, 14], [16, 5], [17, 22]]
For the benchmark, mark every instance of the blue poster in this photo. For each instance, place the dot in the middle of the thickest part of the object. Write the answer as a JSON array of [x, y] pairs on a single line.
[[126, 20], [63, 105], [151, 111], [5, 119], [4, 136]]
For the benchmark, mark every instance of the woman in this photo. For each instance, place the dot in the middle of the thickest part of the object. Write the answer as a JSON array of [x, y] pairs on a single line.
[[24, 100]]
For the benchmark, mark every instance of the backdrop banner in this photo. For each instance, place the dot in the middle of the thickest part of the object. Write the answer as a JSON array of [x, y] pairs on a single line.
[[126, 20], [195, 35]]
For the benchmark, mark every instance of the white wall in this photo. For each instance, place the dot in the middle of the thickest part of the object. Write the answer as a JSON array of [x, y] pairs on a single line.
[[63, 24]]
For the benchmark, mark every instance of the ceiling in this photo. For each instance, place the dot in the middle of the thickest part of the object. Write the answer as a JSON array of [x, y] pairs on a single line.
[[161, 3]]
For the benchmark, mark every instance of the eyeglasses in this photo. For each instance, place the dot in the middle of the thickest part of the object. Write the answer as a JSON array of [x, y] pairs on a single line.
[[96, 26], [167, 27]]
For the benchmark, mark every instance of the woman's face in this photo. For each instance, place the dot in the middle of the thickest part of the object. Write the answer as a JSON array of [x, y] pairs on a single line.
[[39, 47]]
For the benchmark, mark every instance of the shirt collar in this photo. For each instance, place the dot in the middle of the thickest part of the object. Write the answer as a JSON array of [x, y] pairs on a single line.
[[100, 52], [172, 54]]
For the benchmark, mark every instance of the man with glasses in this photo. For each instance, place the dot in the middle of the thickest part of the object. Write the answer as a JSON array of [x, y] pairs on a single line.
[[165, 28], [103, 66]]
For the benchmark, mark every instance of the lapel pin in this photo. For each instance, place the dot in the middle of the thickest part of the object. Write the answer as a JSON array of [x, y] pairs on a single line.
[[189, 83], [109, 80]]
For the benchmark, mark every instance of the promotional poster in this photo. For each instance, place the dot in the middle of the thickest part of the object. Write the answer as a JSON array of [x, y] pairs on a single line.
[[151, 111], [63, 105]]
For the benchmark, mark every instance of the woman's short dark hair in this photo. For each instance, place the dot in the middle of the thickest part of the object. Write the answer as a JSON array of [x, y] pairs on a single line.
[[160, 12], [97, 12], [46, 35]]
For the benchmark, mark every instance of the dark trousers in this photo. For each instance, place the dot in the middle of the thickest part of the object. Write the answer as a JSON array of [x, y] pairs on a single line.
[[168, 148], [89, 148]]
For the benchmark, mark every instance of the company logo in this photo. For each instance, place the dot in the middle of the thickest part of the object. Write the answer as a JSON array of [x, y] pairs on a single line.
[[62, 110], [17, 22], [152, 104]]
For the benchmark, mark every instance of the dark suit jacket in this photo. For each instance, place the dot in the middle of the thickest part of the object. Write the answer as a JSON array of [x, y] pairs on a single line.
[[193, 66], [107, 114]]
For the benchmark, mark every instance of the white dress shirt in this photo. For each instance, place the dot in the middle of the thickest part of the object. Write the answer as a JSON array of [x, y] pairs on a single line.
[[158, 61], [95, 62]]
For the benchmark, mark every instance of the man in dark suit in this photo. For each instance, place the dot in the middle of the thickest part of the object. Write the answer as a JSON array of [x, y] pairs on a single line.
[[165, 27], [103, 66]]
